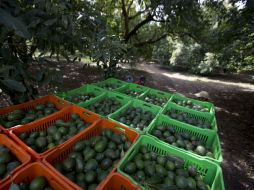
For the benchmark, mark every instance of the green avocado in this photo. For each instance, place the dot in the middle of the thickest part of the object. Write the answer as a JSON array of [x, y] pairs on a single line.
[[39, 183]]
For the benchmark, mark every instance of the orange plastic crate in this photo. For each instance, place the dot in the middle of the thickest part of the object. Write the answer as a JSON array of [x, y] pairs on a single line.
[[118, 182], [31, 171], [43, 124], [20, 154], [61, 153], [59, 103]]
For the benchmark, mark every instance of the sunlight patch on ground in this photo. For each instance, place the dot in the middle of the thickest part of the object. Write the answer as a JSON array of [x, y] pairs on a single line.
[[204, 79]]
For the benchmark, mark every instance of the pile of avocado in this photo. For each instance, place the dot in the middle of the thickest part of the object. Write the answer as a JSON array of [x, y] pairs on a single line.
[[136, 117], [8, 162], [156, 100], [109, 86], [105, 106], [56, 134], [82, 97], [183, 140], [93, 159], [159, 172], [38, 183], [19, 116], [190, 105], [132, 93], [187, 118]]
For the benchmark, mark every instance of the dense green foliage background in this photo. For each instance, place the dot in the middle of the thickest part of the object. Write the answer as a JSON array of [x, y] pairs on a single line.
[[198, 36]]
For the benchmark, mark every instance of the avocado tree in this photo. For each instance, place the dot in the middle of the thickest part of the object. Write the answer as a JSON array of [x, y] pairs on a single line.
[[61, 28], [222, 28]]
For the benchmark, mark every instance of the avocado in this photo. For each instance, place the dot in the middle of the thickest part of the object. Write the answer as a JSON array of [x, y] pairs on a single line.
[[69, 164], [90, 177], [181, 182], [100, 146], [79, 146], [12, 165], [41, 142], [160, 170], [130, 168], [91, 165], [102, 175], [139, 163], [90, 154], [141, 175], [79, 164], [39, 183], [106, 163], [92, 187], [3, 170], [5, 158]]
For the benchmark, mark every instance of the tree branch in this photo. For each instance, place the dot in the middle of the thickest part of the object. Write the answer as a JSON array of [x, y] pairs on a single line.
[[150, 41], [125, 19], [139, 25], [137, 14], [129, 6]]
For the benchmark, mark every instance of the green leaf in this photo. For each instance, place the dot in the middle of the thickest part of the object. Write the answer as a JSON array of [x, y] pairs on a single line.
[[13, 85], [14, 23]]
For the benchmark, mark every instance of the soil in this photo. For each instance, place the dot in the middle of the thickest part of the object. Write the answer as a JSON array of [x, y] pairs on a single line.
[[233, 96]]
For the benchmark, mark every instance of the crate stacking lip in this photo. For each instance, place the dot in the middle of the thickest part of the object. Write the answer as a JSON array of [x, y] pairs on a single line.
[[133, 87], [209, 106], [210, 138], [210, 171], [17, 151], [42, 125], [61, 153], [111, 81], [83, 89], [28, 173], [136, 103], [119, 97], [210, 118], [157, 93], [116, 181], [58, 102]]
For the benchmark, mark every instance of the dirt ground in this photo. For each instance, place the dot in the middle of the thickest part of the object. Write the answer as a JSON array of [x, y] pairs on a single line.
[[233, 96]]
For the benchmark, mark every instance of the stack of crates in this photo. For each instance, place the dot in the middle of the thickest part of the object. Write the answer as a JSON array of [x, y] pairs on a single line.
[[172, 115]]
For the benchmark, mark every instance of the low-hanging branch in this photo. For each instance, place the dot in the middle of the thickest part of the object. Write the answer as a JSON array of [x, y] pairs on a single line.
[[138, 26], [150, 41]]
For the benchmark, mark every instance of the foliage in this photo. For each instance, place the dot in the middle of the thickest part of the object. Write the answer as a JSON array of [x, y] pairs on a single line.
[[59, 27]]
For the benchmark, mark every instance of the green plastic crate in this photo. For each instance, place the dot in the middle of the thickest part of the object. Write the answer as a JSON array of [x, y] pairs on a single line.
[[136, 103], [83, 89], [210, 171], [133, 87], [157, 93], [194, 114], [210, 138], [122, 98], [207, 105], [113, 81]]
